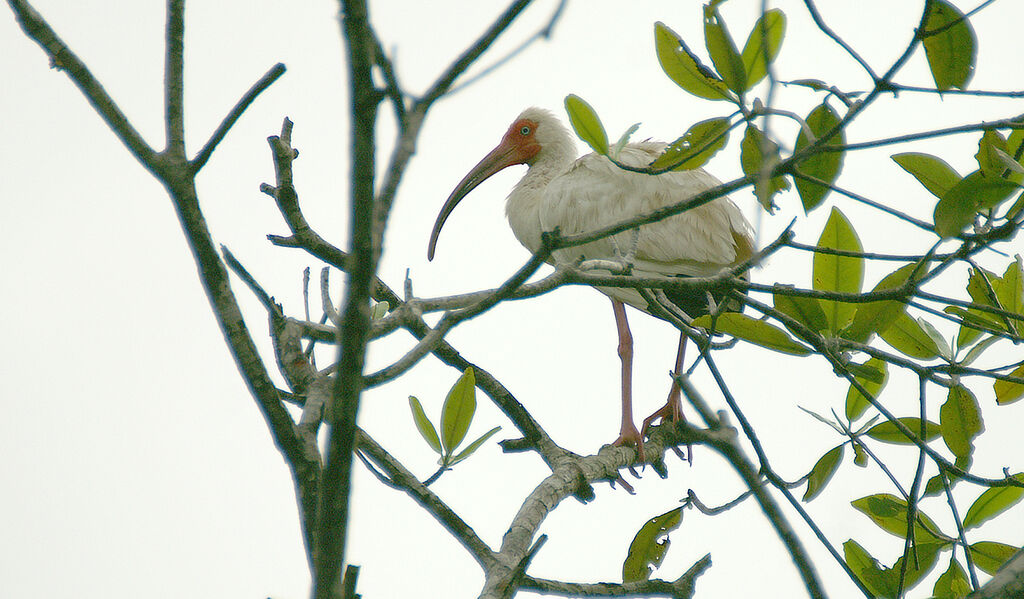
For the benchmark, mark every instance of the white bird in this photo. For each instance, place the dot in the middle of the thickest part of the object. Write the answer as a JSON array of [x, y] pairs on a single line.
[[585, 194]]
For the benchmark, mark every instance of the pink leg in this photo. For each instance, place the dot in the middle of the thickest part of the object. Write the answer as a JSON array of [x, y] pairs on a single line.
[[673, 408], [628, 435]]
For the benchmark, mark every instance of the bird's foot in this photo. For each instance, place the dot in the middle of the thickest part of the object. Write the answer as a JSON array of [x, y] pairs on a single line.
[[672, 411], [628, 435]]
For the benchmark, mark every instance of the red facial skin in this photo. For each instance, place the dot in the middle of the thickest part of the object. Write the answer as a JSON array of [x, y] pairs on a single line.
[[518, 146]]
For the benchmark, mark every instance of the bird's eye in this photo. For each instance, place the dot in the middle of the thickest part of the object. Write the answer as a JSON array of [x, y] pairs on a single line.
[[525, 130]]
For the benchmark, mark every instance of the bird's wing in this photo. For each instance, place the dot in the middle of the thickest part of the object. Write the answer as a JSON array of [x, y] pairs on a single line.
[[595, 193]]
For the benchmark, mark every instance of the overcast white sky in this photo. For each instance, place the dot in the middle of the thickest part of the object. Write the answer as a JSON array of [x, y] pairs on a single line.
[[133, 460]]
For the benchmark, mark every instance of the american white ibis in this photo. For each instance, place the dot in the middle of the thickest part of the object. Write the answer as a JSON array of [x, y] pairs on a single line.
[[581, 195]]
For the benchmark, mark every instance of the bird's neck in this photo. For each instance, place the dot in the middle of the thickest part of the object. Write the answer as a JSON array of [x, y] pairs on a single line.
[[524, 203]]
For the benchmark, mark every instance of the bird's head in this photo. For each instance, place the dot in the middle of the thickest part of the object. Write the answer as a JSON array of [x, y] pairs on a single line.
[[533, 136]]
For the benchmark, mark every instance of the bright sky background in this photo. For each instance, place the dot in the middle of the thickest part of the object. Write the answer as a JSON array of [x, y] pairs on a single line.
[[133, 459]]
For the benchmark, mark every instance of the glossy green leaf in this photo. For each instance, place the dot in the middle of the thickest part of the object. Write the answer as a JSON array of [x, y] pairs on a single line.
[[876, 317], [907, 337], [990, 163], [1008, 391], [990, 556], [586, 123], [763, 42], [931, 171], [648, 548], [722, 51], [684, 68], [974, 192], [459, 407], [856, 403], [423, 424], [823, 471], [843, 274], [951, 52], [868, 570], [700, 142], [824, 166], [960, 419], [475, 445], [992, 502], [805, 310], [757, 152], [953, 583], [887, 432], [755, 331], [889, 513]]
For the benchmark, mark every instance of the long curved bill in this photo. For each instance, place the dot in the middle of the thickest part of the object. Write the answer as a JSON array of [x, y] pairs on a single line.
[[500, 157]]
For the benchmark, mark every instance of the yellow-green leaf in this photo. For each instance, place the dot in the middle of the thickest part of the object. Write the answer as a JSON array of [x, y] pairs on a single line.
[[822, 472], [423, 424], [993, 502], [887, 432], [755, 331], [907, 336], [824, 165], [1009, 391], [1010, 292], [722, 51], [890, 514], [876, 317], [475, 445], [763, 43], [990, 556], [960, 419], [684, 68], [868, 570], [844, 274], [989, 161], [700, 142], [953, 583], [931, 171], [648, 548], [856, 403], [758, 155], [805, 310], [951, 52], [974, 192], [459, 407], [586, 123]]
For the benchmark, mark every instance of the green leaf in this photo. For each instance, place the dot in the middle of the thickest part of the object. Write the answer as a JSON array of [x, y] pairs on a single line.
[[887, 432], [953, 583], [973, 323], [722, 50], [695, 147], [906, 336], [867, 570], [856, 403], [927, 557], [647, 547], [757, 152], [940, 342], [890, 514], [960, 419], [990, 163], [824, 166], [586, 123], [823, 471], [423, 424], [990, 556], [978, 283], [1010, 292], [754, 331], [684, 68], [977, 350], [993, 502], [860, 456], [872, 317], [843, 274], [805, 310], [1007, 391], [951, 52], [974, 192], [458, 411], [379, 310], [623, 140], [931, 171], [764, 41], [475, 445]]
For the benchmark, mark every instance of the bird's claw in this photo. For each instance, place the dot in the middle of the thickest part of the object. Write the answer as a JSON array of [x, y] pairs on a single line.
[[631, 436]]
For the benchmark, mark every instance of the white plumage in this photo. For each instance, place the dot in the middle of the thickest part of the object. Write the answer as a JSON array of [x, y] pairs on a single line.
[[585, 194]]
